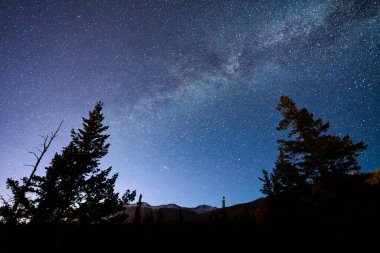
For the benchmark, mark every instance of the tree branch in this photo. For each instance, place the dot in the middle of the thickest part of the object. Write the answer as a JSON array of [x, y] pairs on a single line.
[[39, 150], [4, 201], [33, 153], [47, 141]]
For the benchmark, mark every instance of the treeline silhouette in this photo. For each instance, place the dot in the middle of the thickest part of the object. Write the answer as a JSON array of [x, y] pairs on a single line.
[[316, 185]]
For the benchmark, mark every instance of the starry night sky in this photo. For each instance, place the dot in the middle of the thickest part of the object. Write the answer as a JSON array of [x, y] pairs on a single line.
[[190, 87]]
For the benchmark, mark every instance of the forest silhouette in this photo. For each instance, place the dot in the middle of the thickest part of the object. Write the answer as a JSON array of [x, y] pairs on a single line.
[[316, 185]]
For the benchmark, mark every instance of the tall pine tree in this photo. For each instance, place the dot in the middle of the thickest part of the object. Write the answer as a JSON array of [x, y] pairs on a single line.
[[308, 155], [75, 189], [137, 216]]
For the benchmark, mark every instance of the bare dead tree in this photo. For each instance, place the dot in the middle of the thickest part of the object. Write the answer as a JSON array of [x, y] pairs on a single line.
[[47, 140]]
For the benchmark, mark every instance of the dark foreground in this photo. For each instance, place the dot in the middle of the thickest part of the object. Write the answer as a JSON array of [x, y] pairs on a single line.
[[346, 218], [191, 236]]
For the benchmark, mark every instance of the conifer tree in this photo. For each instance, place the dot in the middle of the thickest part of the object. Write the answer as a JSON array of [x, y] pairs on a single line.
[[224, 211], [128, 197], [137, 216], [308, 155], [75, 189]]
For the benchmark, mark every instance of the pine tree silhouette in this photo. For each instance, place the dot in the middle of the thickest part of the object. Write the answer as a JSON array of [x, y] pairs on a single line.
[[224, 211], [128, 197], [308, 155], [137, 216], [75, 189]]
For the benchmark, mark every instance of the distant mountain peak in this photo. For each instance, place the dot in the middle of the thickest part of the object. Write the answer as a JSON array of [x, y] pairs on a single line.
[[170, 211], [203, 209], [144, 204], [171, 205]]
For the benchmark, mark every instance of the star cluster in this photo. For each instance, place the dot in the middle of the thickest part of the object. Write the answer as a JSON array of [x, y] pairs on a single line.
[[190, 87]]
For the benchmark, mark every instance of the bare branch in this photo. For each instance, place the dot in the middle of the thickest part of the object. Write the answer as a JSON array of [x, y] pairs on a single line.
[[28, 165], [38, 149], [11, 198], [47, 141], [4, 201], [34, 153]]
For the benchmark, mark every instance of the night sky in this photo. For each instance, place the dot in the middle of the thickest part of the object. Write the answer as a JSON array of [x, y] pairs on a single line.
[[190, 87]]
